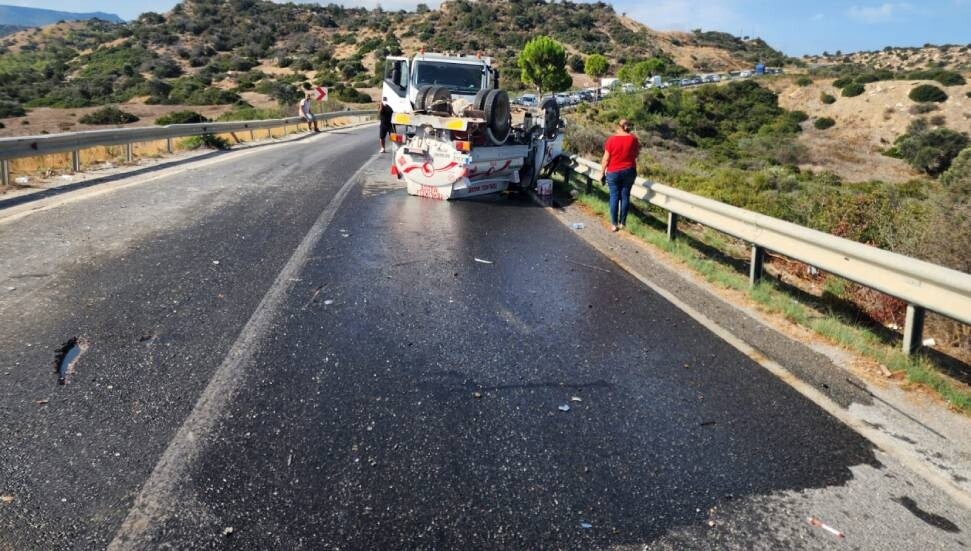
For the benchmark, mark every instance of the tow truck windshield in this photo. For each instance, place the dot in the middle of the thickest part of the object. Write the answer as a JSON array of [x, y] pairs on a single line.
[[457, 77]]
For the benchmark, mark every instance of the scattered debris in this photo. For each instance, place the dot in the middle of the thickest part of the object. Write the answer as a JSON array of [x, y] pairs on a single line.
[[11, 288], [819, 524], [578, 225], [711, 523], [564, 407], [585, 525], [708, 423], [886, 372], [21, 180], [328, 302], [228, 531], [67, 358], [477, 395], [481, 261], [216, 262], [576, 399], [930, 342], [43, 402], [313, 297], [6, 499]]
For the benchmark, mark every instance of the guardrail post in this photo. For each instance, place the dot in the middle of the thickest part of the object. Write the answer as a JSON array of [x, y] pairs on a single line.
[[913, 329], [129, 153], [672, 226], [252, 136], [4, 173], [168, 145], [76, 161], [757, 265]]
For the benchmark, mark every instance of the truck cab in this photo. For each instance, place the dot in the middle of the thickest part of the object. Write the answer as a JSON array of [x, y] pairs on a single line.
[[464, 76]]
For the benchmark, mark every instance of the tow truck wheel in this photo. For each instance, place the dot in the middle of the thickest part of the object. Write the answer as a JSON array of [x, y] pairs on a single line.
[[499, 115], [479, 102], [420, 99], [439, 100]]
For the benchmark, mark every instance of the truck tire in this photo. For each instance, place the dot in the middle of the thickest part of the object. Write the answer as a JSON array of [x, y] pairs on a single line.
[[551, 118], [479, 102], [438, 100], [499, 116], [420, 99]]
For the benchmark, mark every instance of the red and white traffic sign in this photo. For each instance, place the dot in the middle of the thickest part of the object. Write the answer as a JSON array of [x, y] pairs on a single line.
[[321, 93]]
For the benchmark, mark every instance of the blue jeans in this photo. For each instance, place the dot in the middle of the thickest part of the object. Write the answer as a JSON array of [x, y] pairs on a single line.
[[620, 184]]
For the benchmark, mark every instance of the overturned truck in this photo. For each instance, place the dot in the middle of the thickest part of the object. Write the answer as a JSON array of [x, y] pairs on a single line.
[[453, 148]]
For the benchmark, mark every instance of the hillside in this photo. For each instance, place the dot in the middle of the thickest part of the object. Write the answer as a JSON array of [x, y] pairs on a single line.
[[951, 57], [212, 52], [35, 17], [10, 29]]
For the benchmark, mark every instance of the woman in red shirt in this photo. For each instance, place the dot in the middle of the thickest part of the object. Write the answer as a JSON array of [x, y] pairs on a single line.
[[620, 169]]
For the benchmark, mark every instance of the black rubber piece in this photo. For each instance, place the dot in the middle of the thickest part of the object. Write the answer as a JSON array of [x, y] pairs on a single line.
[[499, 115]]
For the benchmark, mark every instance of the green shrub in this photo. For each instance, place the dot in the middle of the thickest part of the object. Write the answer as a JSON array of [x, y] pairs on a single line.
[[2, 126], [804, 81], [947, 78], [180, 117], [827, 99], [208, 141], [10, 109], [108, 115], [351, 95], [927, 93], [923, 108], [823, 123], [930, 150], [853, 89], [968, 94], [251, 114], [842, 82]]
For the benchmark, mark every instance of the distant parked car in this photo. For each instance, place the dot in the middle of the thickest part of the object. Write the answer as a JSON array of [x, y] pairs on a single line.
[[526, 100]]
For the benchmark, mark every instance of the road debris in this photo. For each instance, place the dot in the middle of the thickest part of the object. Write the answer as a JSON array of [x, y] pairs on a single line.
[[228, 531], [585, 525], [42, 402], [67, 357], [216, 262], [328, 302], [886, 372], [708, 424], [481, 261], [711, 523], [6, 499], [477, 395], [564, 408], [930, 342], [576, 399], [578, 225], [819, 524]]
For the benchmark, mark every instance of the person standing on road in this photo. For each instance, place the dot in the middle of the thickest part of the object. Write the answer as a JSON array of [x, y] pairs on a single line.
[[384, 114], [619, 171], [307, 114]]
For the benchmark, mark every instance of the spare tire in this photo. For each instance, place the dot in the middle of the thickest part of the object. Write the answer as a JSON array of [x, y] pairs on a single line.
[[499, 116], [551, 118], [479, 102], [438, 100], [420, 101]]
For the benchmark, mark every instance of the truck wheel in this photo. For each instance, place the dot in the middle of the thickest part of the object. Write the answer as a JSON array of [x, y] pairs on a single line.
[[439, 100], [551, 118], [499, 116], [480, 97], [420, 100]]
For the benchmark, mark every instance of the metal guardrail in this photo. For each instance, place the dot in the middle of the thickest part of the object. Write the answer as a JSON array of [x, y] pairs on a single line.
[[34, 146], [924, 286]]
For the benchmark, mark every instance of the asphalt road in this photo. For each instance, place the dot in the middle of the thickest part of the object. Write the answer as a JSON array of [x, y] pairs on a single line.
[[383, 372]]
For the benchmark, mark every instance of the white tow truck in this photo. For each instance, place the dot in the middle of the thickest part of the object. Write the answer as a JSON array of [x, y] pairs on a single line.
[[457, 135]]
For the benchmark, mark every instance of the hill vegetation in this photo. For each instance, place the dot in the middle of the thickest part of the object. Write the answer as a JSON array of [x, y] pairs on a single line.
[[211, 52], [954, 57]]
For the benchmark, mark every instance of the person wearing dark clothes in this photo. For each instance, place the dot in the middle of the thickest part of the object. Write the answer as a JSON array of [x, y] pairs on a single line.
[[620, 170], [384, 112]]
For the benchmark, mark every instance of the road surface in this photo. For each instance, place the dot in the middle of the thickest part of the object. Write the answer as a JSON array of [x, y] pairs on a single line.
[[284, 350]]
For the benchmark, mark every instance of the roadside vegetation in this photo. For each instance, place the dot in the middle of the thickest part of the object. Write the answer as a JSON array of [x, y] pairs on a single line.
[[735, 144]]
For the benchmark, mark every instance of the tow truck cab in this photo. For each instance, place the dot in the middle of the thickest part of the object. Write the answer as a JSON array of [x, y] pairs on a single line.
[[464, 76]]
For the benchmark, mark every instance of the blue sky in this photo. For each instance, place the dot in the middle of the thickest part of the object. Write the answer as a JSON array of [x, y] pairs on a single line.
[[795, 26]]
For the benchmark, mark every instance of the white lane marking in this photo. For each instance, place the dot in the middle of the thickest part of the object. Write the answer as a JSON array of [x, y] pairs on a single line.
[[12, 214], [157, 493]]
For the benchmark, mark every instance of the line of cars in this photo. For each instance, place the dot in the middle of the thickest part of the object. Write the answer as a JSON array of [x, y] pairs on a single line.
[[563, 99]]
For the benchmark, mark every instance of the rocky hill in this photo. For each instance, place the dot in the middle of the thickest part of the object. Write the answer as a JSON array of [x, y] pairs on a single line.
[[35, 17], [221, 52], [951, 57]]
